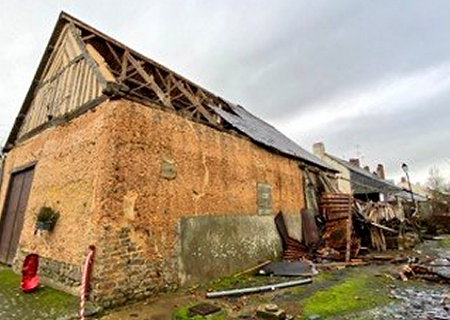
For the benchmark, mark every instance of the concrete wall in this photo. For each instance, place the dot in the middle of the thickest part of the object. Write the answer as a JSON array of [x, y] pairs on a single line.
[[343, 178], [212, 246]]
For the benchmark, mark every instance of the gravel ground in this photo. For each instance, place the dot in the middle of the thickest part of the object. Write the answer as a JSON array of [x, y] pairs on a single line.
[[415, 304]]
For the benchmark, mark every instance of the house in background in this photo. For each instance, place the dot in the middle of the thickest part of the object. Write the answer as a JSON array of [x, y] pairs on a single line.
[[171, 183], [418, 189], [358, 181]]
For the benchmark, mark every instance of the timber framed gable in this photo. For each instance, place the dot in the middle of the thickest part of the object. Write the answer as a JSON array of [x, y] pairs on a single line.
[[82, 67], [70, 79]]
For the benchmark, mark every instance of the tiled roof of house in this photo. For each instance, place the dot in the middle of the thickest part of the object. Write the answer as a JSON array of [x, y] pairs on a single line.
[[364, 182]]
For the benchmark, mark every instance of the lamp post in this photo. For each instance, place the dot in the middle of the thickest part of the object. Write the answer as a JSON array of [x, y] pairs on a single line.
[[406, 170], [414, 224]]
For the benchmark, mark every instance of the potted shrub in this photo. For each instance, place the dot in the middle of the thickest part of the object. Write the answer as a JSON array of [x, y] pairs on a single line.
[[46, 219]]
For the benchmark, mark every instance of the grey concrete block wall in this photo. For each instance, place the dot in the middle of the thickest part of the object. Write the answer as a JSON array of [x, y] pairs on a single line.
[[215, 246]]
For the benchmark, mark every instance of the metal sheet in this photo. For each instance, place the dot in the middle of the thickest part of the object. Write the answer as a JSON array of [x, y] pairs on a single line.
[[310, 231], [289, 269]]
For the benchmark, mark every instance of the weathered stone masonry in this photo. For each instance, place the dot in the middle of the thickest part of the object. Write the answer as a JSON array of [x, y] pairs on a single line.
[[217, 174], [104, 171]]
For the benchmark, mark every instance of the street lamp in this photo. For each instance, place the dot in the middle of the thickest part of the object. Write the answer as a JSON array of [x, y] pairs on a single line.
[[406, 169], [414, 224]]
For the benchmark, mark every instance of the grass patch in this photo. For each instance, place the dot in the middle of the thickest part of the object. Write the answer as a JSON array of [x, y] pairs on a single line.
[[231, 282], [244, 281], [323, 276], [9, 278], [44, 303], [355, 294], [445, 243], [183, 314]]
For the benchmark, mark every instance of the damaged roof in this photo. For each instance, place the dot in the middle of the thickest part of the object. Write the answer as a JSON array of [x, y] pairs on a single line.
[[364, 182], [132, 75], [406, 195], [267, 135]]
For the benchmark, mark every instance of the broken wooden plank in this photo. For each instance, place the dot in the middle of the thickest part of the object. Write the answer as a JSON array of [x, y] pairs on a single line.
[[383, 227], [254, 268]]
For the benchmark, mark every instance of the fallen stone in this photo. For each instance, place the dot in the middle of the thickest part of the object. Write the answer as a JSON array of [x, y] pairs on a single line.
[[203, 309], [271, 312]]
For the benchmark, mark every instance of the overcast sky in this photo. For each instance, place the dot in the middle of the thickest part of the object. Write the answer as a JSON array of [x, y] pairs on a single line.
[[368, 78]]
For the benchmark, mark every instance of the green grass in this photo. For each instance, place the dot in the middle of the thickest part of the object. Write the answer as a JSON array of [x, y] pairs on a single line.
[[243, 281], [445, 243], [183, 314], [323, 276], [230, 282], [41, 304], [355, 294]]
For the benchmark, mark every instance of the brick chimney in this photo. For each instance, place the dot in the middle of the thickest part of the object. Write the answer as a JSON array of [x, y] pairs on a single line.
[[367, 168], [403, 180], [380, 171], [354, 162], [319, 149]]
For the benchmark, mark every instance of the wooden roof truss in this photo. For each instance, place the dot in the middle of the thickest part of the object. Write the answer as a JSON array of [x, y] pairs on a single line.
[[81, 65], [136, 75]]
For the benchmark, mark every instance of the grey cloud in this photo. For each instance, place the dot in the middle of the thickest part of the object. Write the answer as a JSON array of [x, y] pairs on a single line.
[[276, 58], [417, 136]]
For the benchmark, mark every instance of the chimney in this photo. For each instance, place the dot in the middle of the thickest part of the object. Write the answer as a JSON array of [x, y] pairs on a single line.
[[319, 149], [354, 162], [380, 171], [403, 180], [367, 168]]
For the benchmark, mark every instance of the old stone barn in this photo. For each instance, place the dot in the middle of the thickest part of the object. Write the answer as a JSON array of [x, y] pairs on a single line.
[[171, 183]]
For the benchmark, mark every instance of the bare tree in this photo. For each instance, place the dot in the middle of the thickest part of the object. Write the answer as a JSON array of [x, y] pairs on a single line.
[[439, 190]]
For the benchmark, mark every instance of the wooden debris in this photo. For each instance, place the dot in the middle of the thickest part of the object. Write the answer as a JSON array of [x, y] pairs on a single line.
[[337, 209], [338, 265], [294, 250], [254, 268], [430, 272]]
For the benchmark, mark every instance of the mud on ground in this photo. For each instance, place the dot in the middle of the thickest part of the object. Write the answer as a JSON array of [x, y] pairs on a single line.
[[366, 292]]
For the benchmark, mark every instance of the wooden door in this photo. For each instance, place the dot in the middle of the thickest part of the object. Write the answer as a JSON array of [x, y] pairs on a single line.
[[12, 218]]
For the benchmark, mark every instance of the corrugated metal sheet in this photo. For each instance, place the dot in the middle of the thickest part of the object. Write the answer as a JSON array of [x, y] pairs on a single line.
[[263, 133]]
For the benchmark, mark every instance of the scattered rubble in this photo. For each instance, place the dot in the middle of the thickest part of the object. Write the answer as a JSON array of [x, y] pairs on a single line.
[[414, 304], [437, 270], [271, 312]]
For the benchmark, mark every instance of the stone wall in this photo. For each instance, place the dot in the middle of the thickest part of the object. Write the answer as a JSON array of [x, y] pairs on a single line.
[[165, 167], [123, 176], [68, 160], [60, 274]]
